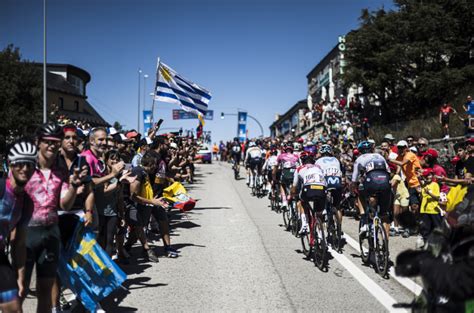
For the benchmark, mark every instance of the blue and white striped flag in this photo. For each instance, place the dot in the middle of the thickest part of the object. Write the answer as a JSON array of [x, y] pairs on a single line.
[[173, 88]]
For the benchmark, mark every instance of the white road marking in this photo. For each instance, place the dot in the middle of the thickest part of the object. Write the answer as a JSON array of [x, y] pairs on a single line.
[[405, 282], [381, 295]]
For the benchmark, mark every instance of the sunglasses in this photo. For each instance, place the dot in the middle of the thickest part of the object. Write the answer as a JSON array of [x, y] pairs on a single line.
[[422, 145], [21, 165], [51, 142]]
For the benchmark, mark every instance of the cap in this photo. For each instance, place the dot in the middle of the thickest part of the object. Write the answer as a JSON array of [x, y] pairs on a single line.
[[470, 140], [173, 145], [455, 160], [132, 134], [427, 171], [402, 143], [413, 149], [389, 137], [431, 152], [112, 131]]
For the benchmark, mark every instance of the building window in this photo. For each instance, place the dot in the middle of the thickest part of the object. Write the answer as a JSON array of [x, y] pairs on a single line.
[[77, 83], [76, 106], [61, 103]]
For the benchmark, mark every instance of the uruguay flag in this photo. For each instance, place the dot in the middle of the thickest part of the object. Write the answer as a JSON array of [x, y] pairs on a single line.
[[173, 88]]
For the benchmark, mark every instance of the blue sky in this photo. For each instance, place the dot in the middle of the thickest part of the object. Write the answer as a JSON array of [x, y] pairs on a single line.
[[252, 55]]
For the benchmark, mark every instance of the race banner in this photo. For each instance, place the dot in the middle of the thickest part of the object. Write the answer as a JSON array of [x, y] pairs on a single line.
[[242, 126], [183, 115], [147, 122]]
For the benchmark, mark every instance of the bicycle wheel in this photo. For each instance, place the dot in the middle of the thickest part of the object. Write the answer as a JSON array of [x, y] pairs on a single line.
[[364, 245], [381, 249], [306, 243], [320, 245]]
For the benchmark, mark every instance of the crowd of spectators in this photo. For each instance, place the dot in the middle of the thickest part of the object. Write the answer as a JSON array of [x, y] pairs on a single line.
[[111, 181]]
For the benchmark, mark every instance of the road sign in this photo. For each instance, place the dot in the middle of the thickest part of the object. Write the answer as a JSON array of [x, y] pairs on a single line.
[[183, 115]]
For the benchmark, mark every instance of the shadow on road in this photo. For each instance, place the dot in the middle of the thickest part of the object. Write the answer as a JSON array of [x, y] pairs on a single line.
[[212, 208]]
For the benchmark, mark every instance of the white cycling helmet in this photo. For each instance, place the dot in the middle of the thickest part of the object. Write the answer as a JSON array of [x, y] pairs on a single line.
[[23, 151], [252, 144]]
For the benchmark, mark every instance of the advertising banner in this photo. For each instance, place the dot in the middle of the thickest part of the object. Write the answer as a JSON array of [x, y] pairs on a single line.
[[147, 123], [242, 126], [183, 115]]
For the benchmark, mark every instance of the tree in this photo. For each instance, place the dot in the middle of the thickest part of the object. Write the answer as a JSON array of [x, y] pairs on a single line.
[[21, 96], [414, 58], [118, 126]]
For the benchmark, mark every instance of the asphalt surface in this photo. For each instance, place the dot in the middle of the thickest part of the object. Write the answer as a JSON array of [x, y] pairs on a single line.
[[235, 256]]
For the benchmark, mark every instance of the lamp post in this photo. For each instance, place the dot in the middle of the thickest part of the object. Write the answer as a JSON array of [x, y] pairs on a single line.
[[248, 115], [138, 106], [45, 104]]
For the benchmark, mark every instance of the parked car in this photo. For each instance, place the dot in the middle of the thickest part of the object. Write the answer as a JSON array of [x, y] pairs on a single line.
[[204, 154]]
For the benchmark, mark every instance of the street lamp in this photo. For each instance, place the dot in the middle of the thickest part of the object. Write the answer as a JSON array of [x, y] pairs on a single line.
[[138, 107]]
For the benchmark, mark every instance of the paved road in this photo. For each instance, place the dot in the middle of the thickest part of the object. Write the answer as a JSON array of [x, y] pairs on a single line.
[[236, 256]]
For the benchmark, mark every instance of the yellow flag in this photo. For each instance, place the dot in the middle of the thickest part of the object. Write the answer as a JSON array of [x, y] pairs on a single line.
[[201, 119]]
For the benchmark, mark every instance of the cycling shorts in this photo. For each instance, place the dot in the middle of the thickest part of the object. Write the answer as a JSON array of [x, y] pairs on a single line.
[[255, 163], [236, 157], [315, 194], [378, 182], [42, 248], [287, 175], [8, 284], [336, 194]]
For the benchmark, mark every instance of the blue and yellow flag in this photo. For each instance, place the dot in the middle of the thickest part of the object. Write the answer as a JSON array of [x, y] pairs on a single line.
[[86, 269]]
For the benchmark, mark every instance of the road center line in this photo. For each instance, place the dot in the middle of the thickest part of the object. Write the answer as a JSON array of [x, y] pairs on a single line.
[[405, 282], [381, 295]]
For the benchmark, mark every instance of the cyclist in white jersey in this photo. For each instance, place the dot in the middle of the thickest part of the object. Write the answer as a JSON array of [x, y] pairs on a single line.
[[372, 174], [254, 158], [310, 182], [333, 171]]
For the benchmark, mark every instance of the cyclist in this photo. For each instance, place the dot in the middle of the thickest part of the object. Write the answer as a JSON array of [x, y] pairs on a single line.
[[254, 159], [372, 174], [51, 188], [288, 162], [268, 167], [236, 153], [15, 212], [309, 180], [333, 171]]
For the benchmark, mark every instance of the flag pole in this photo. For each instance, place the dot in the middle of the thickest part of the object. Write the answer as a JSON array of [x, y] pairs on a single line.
[[154, 91]]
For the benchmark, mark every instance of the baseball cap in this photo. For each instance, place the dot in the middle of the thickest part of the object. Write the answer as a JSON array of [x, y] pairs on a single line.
[[470, 140], [427, 171], [132, 134], [431, 152], [402, 143], [389, 137]]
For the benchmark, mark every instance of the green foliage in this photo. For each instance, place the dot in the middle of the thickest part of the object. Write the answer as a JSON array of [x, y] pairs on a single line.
[[414, 58], [21, 96], [118, 126]]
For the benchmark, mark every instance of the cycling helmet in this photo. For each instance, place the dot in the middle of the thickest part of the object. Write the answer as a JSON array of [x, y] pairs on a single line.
[[288, 147], [252, 144], [326, 149], [306, 157], [23, 151], [50, 131], [364, 147]]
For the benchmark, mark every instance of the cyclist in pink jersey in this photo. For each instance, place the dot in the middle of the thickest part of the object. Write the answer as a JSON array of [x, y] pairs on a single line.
[[287, 161]]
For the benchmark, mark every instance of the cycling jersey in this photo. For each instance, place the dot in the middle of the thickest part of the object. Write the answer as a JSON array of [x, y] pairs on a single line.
[[309, 174], [270, 162], [287, 160], [311, 179], [331, 168], [253, 153], [369, 162]]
